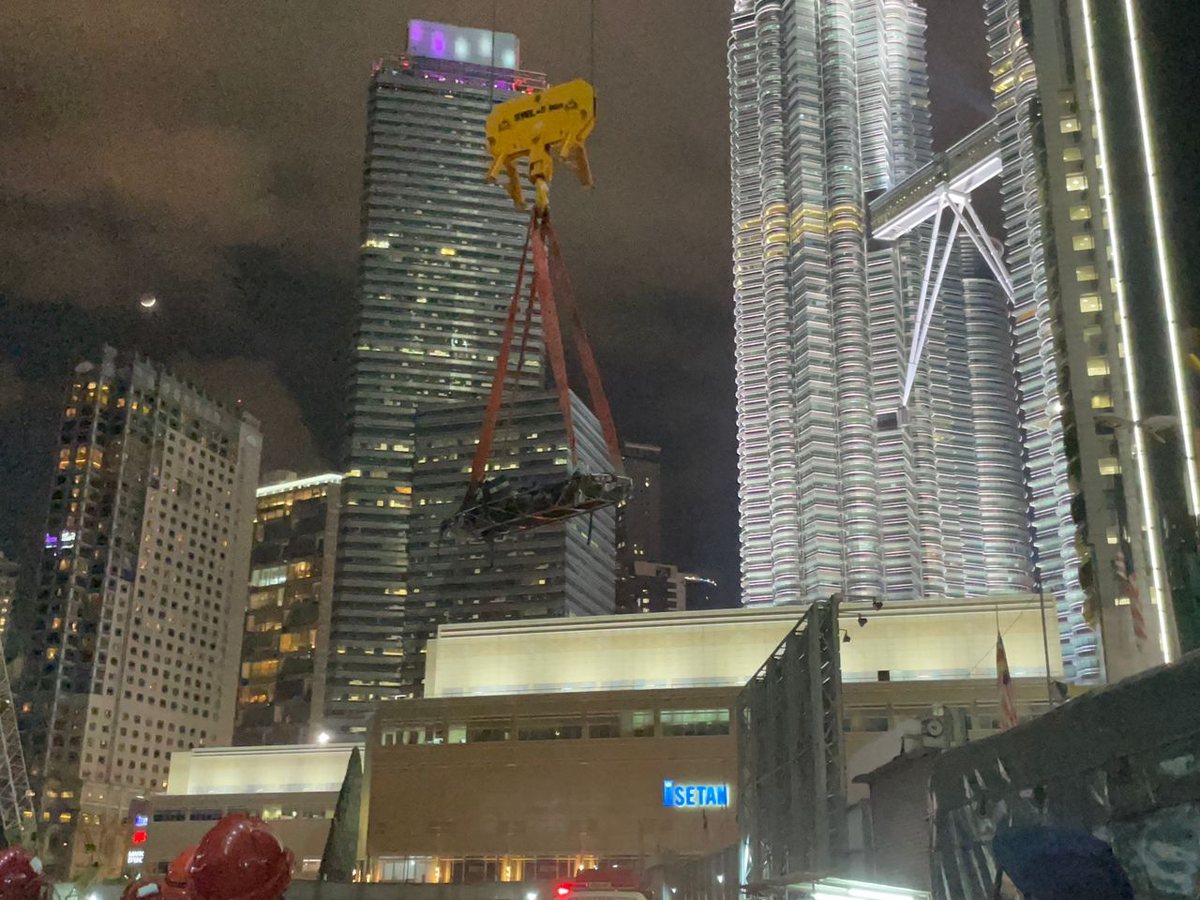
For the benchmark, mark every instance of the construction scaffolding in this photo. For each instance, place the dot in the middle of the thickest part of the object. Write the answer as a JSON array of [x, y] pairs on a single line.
[[791, 758]]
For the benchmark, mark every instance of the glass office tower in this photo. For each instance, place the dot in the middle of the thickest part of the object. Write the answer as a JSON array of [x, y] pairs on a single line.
[[439, 258]]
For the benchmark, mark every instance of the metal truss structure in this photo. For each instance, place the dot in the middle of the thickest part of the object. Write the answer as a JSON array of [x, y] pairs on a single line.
[[791, 758], [943, 186], [16, 799]]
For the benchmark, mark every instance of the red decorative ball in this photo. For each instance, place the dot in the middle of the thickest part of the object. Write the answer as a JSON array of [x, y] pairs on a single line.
[[20, 875], [142, 890], [239, 859], [180, 869]]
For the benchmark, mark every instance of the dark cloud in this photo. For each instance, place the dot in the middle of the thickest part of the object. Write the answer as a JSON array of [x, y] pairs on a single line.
[[254, 385], [211, 152]]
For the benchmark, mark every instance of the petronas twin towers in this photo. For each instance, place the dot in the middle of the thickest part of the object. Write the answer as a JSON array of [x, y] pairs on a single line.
[[842, 488]]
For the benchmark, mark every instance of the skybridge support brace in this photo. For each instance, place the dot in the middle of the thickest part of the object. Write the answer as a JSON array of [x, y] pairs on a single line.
[[941, 247]]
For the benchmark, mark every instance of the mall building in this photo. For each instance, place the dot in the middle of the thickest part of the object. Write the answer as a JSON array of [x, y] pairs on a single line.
[[543, 747]]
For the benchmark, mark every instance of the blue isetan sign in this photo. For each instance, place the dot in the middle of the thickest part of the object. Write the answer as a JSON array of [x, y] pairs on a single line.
[[695, 794]]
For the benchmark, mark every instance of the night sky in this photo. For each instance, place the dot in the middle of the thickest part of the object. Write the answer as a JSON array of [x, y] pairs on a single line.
[[211, 153]]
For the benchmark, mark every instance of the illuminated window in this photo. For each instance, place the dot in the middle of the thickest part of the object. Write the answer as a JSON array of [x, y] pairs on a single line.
[[1083, 242], [1072, 154], [291, 643], [267, 668], [1081, 213], [1097, 365], [1085, 273], [268, 576], [1090, 303], [1102, 401], [1068, 124], [1077, 182], [1109, 466]]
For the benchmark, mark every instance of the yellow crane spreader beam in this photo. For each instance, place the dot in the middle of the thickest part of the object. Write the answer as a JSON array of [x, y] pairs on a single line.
[[559, 118]]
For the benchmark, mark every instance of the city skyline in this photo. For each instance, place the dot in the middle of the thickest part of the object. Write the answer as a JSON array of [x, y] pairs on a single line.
[[277, 307], [247, 317], [906, 364]]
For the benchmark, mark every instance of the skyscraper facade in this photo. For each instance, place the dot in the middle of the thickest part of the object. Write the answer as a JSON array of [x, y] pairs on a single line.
[[841, 489], [140, 598], [639, 521], [1105, 402], [287, 615], [551, 571], [439, 259], [641, 512]]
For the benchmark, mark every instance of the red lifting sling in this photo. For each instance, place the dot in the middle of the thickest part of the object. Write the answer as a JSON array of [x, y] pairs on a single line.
[[548, 268]]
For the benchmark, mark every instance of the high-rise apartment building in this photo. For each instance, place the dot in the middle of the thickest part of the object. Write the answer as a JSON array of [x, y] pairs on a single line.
[[287, 615], [9, 571], [139, 603], [1108, 420], [438, 264], [842, 488]]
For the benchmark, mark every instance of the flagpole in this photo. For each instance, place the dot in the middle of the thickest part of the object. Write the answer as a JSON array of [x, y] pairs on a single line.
[[1037, 573]]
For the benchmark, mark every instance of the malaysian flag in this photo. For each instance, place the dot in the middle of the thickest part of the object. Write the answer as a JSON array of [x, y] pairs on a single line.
[[1008, 701], [1127, 578]]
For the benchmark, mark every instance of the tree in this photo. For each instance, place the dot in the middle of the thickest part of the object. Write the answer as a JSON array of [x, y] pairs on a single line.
[[341, 847]]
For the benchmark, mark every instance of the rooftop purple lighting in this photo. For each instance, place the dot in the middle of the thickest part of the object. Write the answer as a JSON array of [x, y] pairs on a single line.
[[476, 46]]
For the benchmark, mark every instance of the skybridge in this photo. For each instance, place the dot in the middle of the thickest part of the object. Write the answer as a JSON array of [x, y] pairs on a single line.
[[944, 185]]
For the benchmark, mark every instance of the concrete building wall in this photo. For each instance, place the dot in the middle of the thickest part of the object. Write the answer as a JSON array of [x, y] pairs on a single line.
[[293, 788], [524, 787], [725, 647], [524, 799]]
